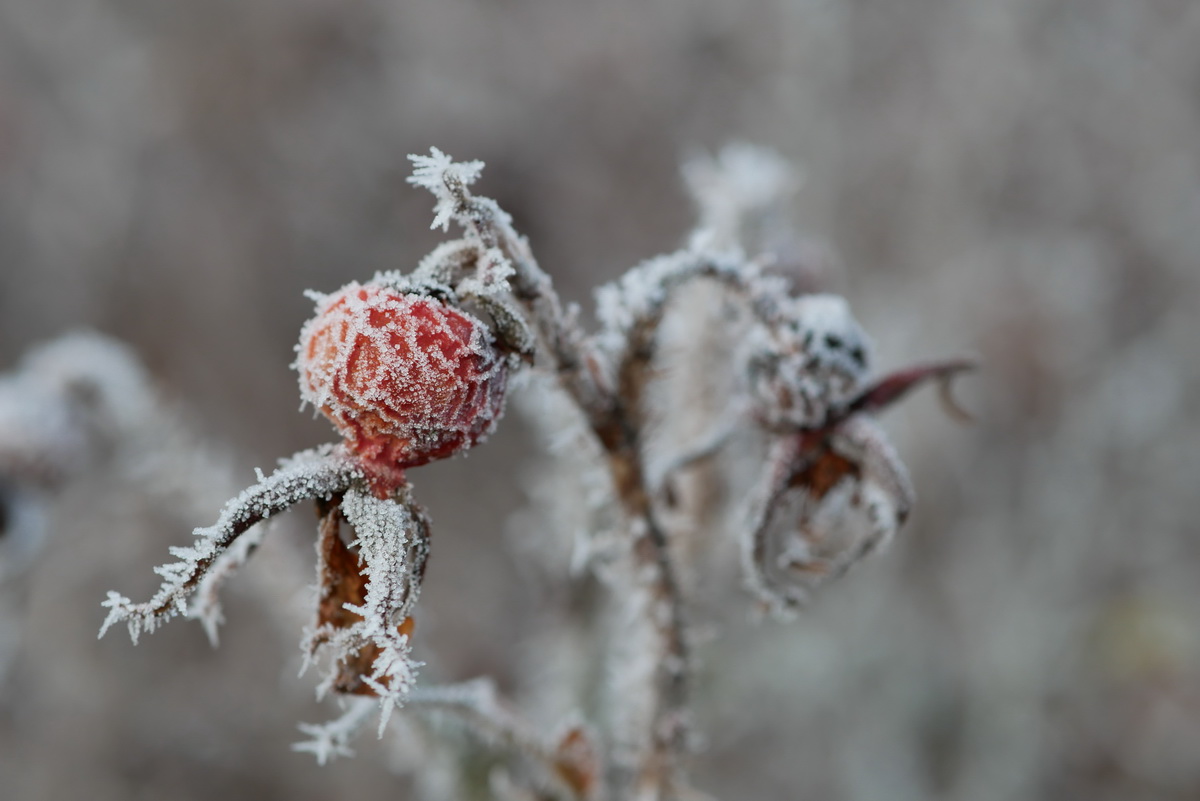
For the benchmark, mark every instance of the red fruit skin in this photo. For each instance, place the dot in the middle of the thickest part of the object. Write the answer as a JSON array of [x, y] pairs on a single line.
[[406, 379]]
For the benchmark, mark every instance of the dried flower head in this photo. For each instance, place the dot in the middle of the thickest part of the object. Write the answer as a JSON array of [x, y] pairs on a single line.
[[809, 364]]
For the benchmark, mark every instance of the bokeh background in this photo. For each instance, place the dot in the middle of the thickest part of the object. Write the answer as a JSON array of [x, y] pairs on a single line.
[[1013, 179]]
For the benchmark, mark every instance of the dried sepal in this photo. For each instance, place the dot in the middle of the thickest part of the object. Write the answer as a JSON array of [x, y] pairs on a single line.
[[513, 333], [368, 590], [487, 265], [775, 480], [341, 585], [860, 472], [446, 265], [817, 486], [311, 474], [860, 440]]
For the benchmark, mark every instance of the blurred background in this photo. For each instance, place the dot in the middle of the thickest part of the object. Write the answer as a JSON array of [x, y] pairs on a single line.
[[1017, 180]]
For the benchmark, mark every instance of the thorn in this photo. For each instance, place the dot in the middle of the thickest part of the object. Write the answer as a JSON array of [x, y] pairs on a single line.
[[953, 409], [894, 386]]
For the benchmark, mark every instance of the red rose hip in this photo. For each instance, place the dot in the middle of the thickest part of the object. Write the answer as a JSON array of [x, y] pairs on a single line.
[[406, 379]]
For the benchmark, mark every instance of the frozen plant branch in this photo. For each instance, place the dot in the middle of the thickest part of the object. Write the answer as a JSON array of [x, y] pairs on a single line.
[[332, 738], [414, 367], [567, 761], [311, 474], [73, 406], [490, 239]]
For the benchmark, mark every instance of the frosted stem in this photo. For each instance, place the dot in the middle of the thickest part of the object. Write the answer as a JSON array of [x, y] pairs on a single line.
[[568, 761], [311, 474]]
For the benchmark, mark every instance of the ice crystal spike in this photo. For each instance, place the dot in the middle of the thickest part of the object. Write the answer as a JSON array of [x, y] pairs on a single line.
[[332, 739], [447, 180]]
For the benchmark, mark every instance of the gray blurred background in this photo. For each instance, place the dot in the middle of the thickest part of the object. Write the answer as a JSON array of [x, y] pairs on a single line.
[[1013, 179]]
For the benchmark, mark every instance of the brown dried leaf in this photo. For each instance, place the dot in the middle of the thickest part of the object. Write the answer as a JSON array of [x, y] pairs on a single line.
[[576, 761]]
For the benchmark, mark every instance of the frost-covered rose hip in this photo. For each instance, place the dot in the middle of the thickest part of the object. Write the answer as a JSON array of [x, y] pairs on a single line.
[[405, 378]]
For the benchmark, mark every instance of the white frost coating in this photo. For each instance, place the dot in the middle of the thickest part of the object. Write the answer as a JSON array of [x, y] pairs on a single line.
[[445, 178], [441, 267], [635, 653], [796, 541], [66, 401], [811, 362], [828, 317], [742, 182], [206, 603], [392, 542], [70, 404], [507, 283], [40, 439], [477, 704], [488, 230], [386, 532], [492, 277], [98, 372], [574, 515], [332, 739], [311, 474], [388, 379], [405, 367], [639, 296]]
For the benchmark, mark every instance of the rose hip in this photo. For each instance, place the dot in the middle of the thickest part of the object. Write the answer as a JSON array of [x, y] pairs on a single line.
[[405, 378]]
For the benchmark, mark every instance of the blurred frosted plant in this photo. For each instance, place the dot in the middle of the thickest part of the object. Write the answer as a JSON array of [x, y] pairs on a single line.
[[69, 405], [416, 367]]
